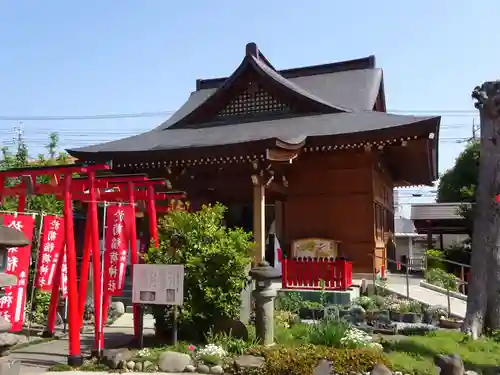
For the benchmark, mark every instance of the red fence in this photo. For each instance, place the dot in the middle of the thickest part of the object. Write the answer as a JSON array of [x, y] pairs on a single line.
[[312, 273]]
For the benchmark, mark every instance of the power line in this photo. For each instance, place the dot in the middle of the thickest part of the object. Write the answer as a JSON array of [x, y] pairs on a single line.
[[444, 112]]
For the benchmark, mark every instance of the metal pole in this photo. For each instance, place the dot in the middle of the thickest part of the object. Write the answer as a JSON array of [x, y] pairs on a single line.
[[174, 325], [38, 238], [65, 314], [101, 281], [449, 300], [462, 279], [407, 281]]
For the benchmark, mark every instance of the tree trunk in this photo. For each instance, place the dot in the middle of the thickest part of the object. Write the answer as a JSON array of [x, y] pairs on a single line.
[[483, 303]]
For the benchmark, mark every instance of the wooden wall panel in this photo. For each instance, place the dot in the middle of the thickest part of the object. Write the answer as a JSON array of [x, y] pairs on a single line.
[[331, 196]]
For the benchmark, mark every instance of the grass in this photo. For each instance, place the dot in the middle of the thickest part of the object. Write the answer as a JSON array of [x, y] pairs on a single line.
[[415, 354]]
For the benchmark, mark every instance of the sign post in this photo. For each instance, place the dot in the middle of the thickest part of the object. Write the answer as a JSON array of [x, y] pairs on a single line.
[[158, 284]]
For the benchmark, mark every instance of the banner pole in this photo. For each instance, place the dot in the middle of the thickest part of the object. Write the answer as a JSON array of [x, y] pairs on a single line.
[[103, 314], [33, 282]]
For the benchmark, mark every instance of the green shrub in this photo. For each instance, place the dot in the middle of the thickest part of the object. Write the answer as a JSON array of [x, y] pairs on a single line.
[[40, 308], [302, 360], [293, 336], [291, 302], [365, 302], [216, 261], [328, 332], [435, 259], [443, 279], [229, 343]]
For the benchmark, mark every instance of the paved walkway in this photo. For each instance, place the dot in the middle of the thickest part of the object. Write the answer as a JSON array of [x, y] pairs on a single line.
[[424, 295], [38, 358]]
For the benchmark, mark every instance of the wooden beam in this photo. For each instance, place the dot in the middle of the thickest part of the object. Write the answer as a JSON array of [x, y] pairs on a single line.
[[259, 220], [281, 155]]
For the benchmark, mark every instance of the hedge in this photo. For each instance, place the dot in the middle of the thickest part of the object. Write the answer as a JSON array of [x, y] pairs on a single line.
[[303, 359]]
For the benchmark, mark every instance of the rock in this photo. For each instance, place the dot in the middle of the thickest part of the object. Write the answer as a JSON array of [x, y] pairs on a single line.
[[380, 369], [233, 327], [173, 361], [138, 366], [190, 368], [216, 370], [115, 358], [130, 365], [10, 367], [249, 362], [4, 324], [203, 369], [147, 365], [11, 339], [398, 373], [449, 365], [471, 372], [119, 307], [324, 367]]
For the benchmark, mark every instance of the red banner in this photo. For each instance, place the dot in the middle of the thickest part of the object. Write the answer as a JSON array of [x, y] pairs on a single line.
[[64, 276], [51, 248], [118, 220], [18, 262]]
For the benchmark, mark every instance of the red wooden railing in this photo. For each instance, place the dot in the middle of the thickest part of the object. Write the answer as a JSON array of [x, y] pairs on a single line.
[[316, 273]]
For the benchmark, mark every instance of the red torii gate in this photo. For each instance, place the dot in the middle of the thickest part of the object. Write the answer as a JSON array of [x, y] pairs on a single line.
[[65, 187]]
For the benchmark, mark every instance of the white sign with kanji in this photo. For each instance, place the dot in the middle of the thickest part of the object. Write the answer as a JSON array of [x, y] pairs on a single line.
[[158, 284]]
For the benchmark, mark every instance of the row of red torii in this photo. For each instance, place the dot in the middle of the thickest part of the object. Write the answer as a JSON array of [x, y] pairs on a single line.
[[91, 189]]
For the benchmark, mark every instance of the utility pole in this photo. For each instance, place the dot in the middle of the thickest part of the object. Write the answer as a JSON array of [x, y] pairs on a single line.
[[475, 129]]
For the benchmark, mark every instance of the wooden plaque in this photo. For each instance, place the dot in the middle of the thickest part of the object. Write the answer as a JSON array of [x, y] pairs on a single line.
[[315, 248]]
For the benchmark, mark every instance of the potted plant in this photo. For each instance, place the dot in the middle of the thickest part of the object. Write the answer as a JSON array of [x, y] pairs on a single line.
[[311, 310], [413, 313], [357, 314], [343, 311], [432, 314], [396, 311], [450, 323]]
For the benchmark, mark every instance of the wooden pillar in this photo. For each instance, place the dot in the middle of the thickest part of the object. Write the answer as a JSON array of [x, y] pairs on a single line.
[[278, 220], [430, 242], [259, 219]]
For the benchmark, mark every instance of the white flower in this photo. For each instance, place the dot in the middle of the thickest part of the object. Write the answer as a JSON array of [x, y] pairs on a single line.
[[375, 345], [356, 338], [211, 350], [143, 353]]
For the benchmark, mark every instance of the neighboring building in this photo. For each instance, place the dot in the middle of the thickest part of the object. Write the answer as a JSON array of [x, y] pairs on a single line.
[[440, 223], [407, 240], [313, 145]]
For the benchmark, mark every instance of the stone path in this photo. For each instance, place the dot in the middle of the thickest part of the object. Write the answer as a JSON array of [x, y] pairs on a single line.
[[427, 296], [38, 358]]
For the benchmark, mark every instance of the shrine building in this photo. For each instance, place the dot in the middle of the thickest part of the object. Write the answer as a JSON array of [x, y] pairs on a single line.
[[310, 149]]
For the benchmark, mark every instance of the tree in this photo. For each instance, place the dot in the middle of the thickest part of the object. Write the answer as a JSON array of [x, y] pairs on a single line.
[[483, 303], [458, 184], [20, 159], [43, 203], [215, 260]]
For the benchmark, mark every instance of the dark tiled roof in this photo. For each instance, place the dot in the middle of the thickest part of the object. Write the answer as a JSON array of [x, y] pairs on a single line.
[[290, 130], [344, 93]]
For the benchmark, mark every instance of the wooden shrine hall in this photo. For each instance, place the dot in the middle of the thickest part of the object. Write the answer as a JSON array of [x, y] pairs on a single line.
[[311, 149]]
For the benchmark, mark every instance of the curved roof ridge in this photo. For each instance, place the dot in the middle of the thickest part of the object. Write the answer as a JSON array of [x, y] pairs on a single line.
[[368, 62], [279, 79], [263, 69]]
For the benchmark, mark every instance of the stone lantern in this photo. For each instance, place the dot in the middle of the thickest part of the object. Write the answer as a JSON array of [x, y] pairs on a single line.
[[9, 237], [264, 295]]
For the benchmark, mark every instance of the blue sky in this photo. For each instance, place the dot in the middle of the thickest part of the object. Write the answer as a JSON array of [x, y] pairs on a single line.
[[122, 56]]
